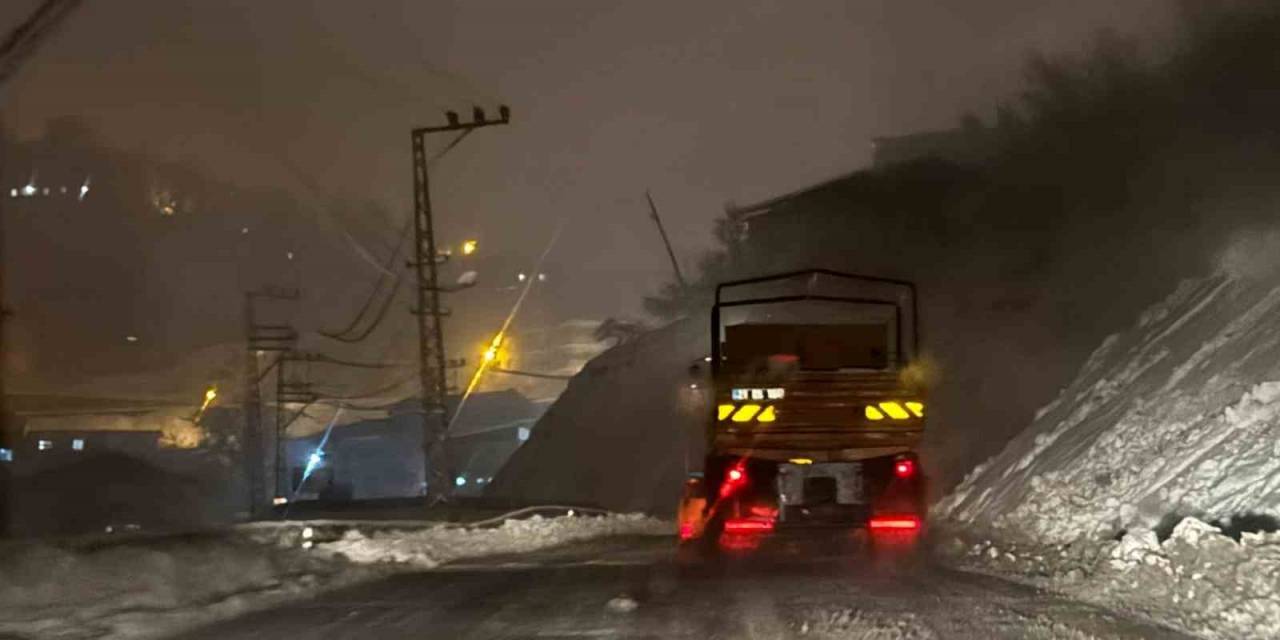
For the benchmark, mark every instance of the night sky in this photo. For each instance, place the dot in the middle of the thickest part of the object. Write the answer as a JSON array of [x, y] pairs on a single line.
[[703, 102]]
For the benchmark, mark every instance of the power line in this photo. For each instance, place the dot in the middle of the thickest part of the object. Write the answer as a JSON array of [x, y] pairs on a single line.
[[386, 304]]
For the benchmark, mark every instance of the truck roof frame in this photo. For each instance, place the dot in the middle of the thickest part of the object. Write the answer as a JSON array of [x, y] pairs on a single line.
[[895, 303]]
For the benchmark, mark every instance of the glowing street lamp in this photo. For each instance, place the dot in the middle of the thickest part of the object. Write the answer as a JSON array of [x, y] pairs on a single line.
[[469, 247]]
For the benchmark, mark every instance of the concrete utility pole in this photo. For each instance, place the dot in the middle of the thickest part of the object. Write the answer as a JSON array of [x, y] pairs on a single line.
[[260, 339], [426, 260], [287, 391]]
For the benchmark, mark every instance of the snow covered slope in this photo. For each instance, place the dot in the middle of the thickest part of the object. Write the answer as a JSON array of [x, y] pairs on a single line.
[[620, 435], [1179, 416]]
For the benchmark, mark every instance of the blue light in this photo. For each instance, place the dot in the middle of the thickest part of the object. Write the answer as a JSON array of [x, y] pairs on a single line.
[[314, 460], [460, 481]]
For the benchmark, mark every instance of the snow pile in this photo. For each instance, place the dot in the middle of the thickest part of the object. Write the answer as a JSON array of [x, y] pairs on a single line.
[[152, 587], [436, 545], [1178, 417], [148, 588], [1153, 480], [1197, 579]]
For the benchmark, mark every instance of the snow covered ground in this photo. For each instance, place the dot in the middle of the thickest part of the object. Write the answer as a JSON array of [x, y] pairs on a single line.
[[154, 587], [1168, 427]]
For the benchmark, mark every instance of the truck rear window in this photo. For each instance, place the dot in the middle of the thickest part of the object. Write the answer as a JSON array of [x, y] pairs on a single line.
[[814, 347]]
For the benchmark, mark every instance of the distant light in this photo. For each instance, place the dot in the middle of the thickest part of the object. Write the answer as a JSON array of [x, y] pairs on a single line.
[[801, 461], [460, 481], [62, 189], [542, 277], [131, 338], [29, 190], [210, 394], [307, 544], [289, 255], [693, 385], [44, 445], [84, 189], [522, 434], [6, 455], [308, 533], [244, 231], [521, 277], [570, 514], [314, 459], [469, 247], [707, 359], [13, 193], [46, 191], [77, 444], [279, 500], [479, 480], [260, 353]]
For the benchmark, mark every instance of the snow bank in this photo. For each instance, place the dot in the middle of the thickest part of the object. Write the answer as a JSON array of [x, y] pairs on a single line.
[[440, 544], [149, 588], [1180, 416], [1197, 579], [1169, 426]]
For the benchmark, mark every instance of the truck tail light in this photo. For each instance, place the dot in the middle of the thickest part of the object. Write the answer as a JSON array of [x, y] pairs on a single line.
[[734, 479], [901, 523], [748, 525], [904, 468]]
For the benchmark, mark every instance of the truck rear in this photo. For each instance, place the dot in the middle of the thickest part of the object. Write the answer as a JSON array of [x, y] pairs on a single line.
[[818, 412]]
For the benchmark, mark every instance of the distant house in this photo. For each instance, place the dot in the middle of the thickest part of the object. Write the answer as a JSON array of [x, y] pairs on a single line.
[[966, 145]]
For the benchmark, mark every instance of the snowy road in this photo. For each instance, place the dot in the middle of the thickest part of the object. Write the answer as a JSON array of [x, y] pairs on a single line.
[[567, 593]]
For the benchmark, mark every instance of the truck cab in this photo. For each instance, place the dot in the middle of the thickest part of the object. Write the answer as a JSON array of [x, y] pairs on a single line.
[[819, 406]]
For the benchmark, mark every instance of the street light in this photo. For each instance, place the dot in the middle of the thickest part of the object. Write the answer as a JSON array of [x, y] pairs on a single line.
[[469, 247]]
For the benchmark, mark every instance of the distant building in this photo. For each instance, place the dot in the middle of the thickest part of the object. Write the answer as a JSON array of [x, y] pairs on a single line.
[[967, 145], [382, 458]]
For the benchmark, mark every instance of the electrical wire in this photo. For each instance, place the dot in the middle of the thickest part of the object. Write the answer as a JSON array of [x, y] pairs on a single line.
[[398, 277]]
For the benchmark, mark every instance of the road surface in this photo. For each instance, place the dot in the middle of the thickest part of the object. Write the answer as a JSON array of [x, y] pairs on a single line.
[[629, 588]]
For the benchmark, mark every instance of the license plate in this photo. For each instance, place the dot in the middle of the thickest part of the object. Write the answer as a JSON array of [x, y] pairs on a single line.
[[809, 484]]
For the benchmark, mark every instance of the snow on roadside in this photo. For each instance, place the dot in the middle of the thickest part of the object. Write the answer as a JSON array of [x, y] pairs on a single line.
[[1197, 579], [152, 587], [433, 546], [1169, 426]]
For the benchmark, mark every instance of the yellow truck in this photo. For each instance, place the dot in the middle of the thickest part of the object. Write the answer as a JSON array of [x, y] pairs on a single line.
[[818, 412]]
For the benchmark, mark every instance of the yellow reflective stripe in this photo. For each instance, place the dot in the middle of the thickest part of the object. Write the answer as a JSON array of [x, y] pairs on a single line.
[[874, 413], [746, 412], [725, 410], [767, 415], [916, 408], [895, 410]]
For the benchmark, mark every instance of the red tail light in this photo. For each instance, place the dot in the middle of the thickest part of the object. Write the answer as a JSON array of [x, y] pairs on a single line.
[[748, 525], [903, 523], [734, 479], [686, 531], [904, 468]]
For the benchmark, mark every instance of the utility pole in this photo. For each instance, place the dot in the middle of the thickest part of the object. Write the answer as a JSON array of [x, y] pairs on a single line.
[[426, 259], [653, 211], [260, 339], [287, 391]]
